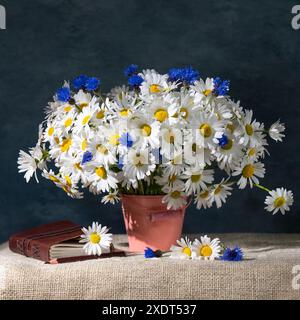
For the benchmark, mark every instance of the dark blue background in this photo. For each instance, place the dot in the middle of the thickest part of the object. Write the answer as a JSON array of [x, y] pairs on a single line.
[[249, 42]]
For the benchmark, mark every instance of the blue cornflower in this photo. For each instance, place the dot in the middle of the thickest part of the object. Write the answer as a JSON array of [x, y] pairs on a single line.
[[221, 87], [126, 140], [135, 81], [63, 94], [235, 254], [87, 156], [223, 140], [186, 74], [92, 84], [149, 253], [131, 70], [79, 82]]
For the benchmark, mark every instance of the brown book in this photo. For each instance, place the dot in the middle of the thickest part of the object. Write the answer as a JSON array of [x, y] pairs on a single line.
[[56, 242]]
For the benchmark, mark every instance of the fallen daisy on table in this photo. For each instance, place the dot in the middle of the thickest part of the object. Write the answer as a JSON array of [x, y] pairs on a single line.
[[183, 250], [96, 238], [206, 249]]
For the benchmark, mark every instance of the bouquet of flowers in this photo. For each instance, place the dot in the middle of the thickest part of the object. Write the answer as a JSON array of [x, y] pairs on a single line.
[[169, 134]]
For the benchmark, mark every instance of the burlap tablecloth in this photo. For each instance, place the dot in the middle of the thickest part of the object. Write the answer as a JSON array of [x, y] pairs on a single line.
[[266, 273]]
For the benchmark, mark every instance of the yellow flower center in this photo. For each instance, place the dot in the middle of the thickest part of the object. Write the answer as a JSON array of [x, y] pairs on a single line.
[[172, 178], [65, 146], [53, 178], [77, 166], [85, 120], [176, 194], [205, 251], [249, 129], [187, 251], [195, 177], [184, 113], [101, 149], [68, 109], [194, 147], [124, 112], [204, 194], [68, 122], [207, 92], [100, 114], [161, 115], [146, 130], [101, 172], [248, 171], [68, 181], [251, 152], [95, 238], [83, 105], [230, 127], [50, 131], [279, 202], [114, 140], [218, 190], [84, 144], [206, 130], [155, 88], [228, 145], [56, 139]]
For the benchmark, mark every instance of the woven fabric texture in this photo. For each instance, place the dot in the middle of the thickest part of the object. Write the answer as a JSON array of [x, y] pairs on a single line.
[[266, 273]]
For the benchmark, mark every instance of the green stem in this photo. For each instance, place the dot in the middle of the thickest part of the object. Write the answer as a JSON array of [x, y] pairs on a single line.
[[141, 187], [261, 187]]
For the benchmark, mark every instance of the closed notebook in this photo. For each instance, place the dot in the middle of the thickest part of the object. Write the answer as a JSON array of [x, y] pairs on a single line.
[[56, 242]]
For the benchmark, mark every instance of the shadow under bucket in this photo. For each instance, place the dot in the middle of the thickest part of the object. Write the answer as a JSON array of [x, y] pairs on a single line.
[[150, 224]]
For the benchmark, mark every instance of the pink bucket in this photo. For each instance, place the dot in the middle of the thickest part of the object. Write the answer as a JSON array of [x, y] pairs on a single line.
[[150, 224]]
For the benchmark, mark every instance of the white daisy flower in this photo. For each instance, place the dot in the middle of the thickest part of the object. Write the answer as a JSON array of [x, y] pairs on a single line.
[[219, 193], [171, 140], [276, 131], [279, 199], [173, 164], [195, 154], [255, 153], [186, 106], [96, 238], [65, 183], [206, 248], [84, 117], [154, 84], [145, 131], [138, 164], [197, 179], [183, 250], [228, 151], [202, 90], [163, 109], [250, 172], [82, 99], [112, 198], [101, 178], [250, 131], [175, 198], [28, 165], [123, 105], [169, 180], [102, 152], [203, 199], [206, 127]]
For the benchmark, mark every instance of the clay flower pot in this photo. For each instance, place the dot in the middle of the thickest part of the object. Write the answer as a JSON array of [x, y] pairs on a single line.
[[150, 224]]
